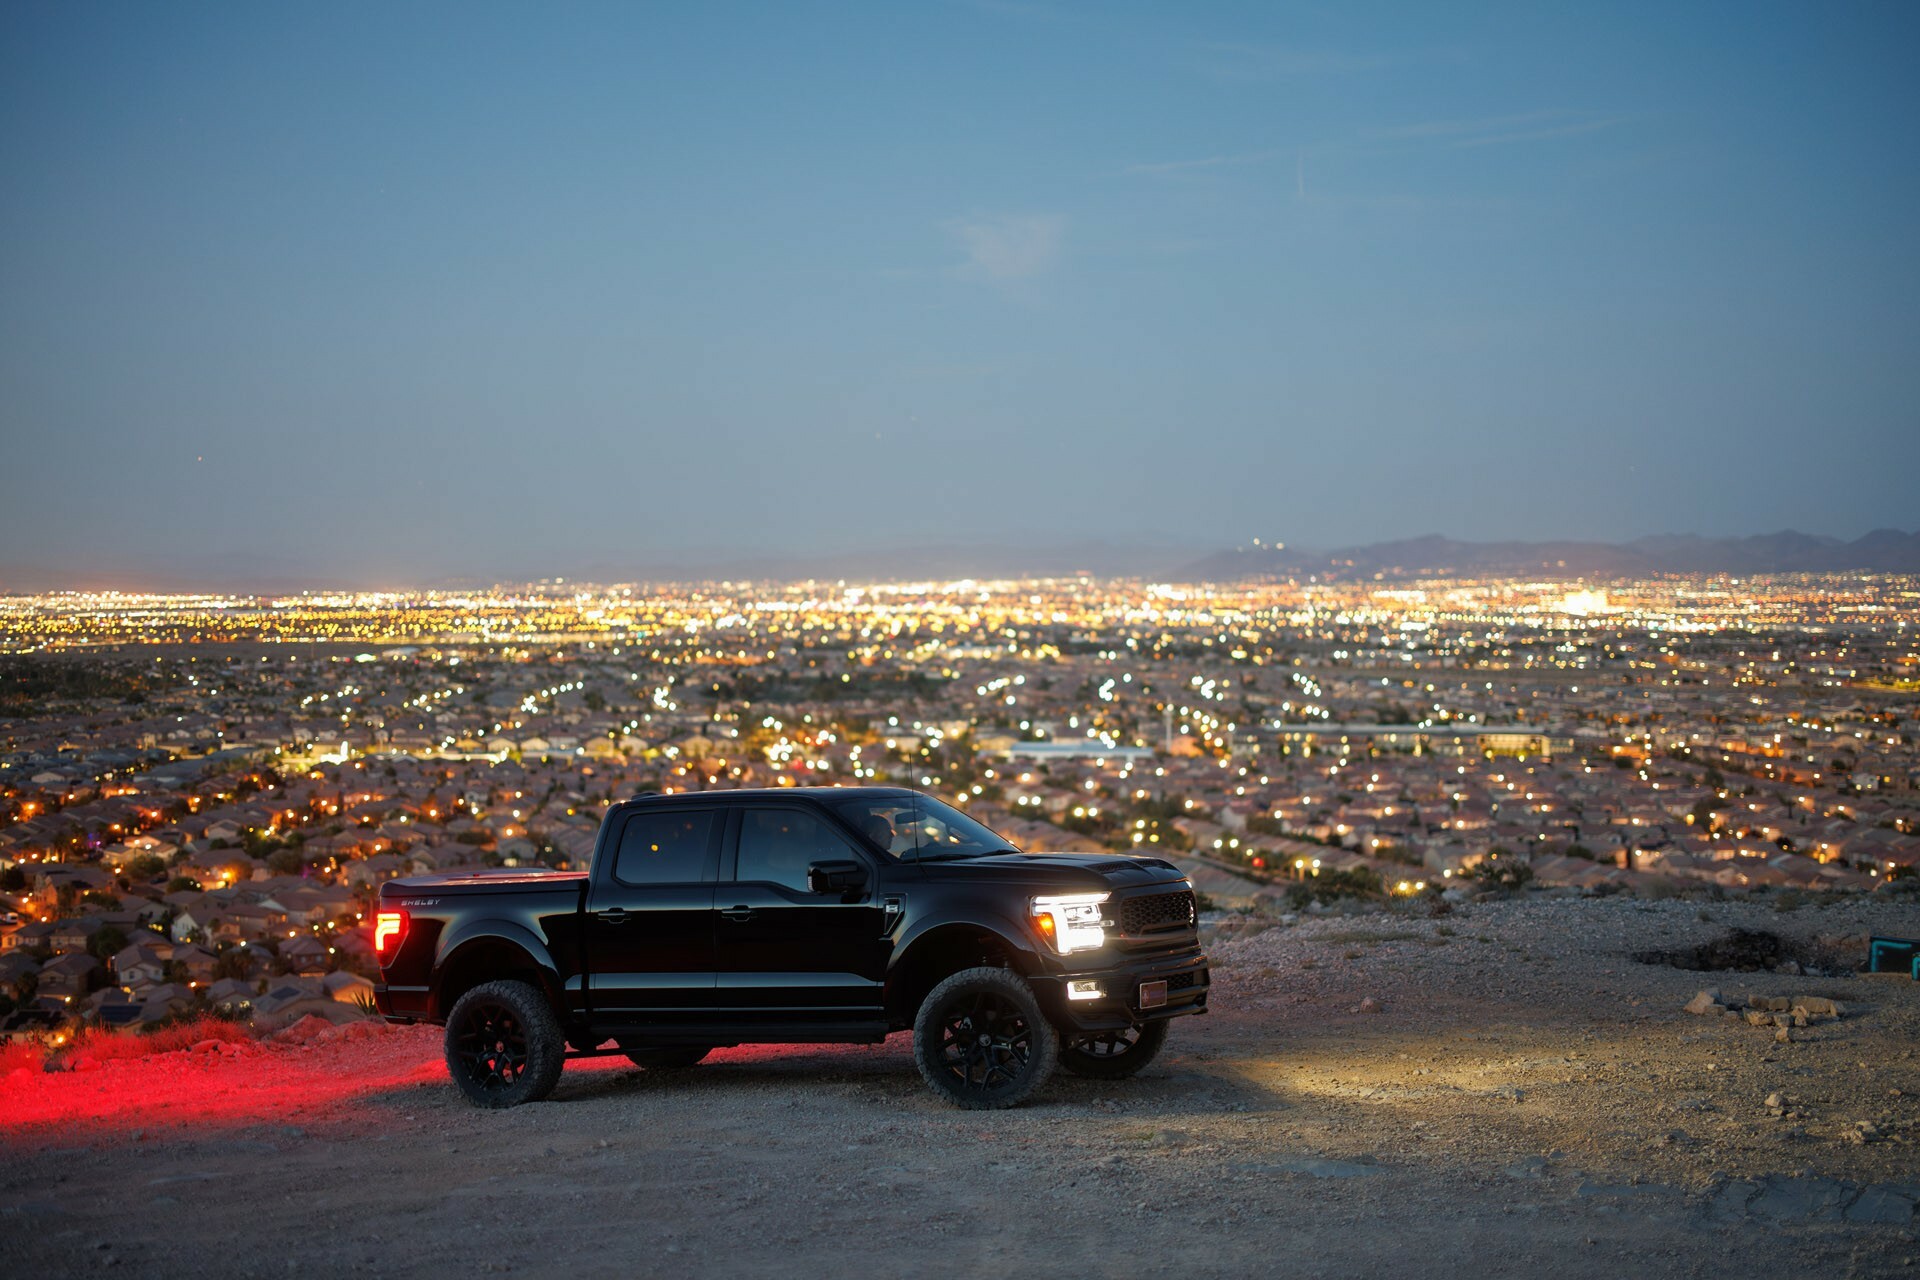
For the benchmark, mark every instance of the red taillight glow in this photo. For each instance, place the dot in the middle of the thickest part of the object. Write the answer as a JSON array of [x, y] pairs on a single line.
[[389, 930]]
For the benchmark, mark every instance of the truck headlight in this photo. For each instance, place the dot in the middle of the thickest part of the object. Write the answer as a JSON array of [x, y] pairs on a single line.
[[1070, 921]]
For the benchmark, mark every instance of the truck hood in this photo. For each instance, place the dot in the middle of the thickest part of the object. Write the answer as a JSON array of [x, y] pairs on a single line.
[[1063, 871]]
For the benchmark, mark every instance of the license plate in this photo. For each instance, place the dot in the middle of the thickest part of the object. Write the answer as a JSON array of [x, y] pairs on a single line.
[[1153, 994]]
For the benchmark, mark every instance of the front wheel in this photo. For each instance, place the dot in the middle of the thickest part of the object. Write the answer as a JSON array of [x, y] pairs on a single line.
[[1114, 1055], [504, 1046], [981, 1042]]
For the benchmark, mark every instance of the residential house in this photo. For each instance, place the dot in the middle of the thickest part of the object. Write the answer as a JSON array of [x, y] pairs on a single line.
[[138, 967], [348, 988], [305, 955], [231, 995], [165, 1001], [196, 963], [69, 977]]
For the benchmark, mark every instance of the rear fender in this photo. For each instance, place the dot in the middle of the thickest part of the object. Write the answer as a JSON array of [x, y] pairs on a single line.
[[482, 950]]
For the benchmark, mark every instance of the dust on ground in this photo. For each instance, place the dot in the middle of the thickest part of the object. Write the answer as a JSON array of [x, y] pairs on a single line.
[[1502, 1091]]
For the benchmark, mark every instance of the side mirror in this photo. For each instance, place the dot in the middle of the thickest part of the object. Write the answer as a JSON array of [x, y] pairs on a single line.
[[836, 877]]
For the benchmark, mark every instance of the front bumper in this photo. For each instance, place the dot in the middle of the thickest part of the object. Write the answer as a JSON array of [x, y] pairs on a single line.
[[1119, 1006]]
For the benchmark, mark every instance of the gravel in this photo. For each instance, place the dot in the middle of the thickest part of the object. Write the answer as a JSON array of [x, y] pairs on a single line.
[[1500, 1090]]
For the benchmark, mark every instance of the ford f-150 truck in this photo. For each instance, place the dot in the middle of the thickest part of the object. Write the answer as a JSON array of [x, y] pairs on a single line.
[[792, 916]]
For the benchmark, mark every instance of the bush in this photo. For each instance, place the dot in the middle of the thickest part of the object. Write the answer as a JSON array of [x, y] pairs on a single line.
[[143, 868], [181, 1031], [22, 1055], [1399, 853], [1360, 882], [1502, 873]]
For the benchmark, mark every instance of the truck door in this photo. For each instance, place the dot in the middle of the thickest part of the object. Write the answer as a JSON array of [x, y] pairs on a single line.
[[650, 918], [782, 952]]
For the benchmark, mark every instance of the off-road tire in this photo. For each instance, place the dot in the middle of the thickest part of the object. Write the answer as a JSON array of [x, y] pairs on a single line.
[[981, 1042], [1114, 1055], [674, 1059], [503, 1045]]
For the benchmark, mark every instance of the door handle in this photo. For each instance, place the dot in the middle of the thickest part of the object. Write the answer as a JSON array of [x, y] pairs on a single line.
[[738, 913], [612, 915]]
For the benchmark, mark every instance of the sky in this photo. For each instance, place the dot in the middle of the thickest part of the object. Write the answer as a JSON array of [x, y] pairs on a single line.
[[395, 294]]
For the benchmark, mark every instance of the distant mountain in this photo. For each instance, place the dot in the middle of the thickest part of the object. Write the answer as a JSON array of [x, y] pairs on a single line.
[[1153, 557], [1882, 551]]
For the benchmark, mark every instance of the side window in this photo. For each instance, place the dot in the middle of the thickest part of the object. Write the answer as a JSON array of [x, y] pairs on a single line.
[[668, 847], [778, 845]]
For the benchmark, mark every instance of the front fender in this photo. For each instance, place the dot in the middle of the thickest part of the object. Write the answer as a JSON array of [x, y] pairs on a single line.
[[1003, 929]]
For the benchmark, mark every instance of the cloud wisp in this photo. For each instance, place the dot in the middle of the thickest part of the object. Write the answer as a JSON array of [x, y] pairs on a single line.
[[1173, 167], [1245, 60], [1497, 131], [1252, 60], [1452, 135], [1014, 247]]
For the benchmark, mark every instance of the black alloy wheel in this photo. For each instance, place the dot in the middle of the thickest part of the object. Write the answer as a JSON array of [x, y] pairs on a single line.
[[492, 1046], [503, 1046], [1114, 1055], [981, 1042]]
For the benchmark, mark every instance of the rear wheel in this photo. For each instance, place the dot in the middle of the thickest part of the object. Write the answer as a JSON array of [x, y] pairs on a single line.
[[1114, 1055], [666, 1059], [504, 1046], [981, 1042]]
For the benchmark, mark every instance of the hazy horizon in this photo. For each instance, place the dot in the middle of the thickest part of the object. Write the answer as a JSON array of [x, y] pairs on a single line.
[[1163, 561], [372, 295]]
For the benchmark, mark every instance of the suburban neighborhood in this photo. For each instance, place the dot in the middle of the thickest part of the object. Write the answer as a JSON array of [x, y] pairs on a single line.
[[198, 798]]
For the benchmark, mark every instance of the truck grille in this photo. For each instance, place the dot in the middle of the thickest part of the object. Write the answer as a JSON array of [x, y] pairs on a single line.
[[1154, 912]]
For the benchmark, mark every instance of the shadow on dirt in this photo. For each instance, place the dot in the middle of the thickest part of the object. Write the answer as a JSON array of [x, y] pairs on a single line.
[[1739, 950], [885, 1075]]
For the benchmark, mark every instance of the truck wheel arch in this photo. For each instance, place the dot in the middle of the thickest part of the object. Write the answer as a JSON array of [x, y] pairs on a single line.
[[489, 951], [928, 958]]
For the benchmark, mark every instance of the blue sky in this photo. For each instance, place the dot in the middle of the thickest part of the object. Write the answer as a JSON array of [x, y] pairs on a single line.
[[388, 293]]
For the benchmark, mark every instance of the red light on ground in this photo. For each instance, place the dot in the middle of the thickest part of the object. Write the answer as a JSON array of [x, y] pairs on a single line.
[[389, 930]]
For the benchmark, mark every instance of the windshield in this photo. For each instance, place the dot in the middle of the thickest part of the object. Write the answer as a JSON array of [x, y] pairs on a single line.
[[918, 828]]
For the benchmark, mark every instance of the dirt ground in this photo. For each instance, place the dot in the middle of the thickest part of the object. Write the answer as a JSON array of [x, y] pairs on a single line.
[[1503, 1091]]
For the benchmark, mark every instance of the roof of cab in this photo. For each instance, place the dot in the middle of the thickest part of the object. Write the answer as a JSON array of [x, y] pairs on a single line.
[[772, 793]]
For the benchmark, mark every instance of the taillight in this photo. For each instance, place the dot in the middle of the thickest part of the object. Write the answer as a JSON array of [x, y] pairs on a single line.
[[389, 931]]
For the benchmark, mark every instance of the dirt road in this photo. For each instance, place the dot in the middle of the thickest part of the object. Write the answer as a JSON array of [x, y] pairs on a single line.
[[1526, 1100]]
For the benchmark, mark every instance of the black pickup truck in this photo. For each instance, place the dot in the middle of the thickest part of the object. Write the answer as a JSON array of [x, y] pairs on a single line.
[[793, 916]]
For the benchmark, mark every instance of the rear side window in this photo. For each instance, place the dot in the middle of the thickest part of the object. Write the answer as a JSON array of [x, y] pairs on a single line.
[[668, 847], [778, 845]]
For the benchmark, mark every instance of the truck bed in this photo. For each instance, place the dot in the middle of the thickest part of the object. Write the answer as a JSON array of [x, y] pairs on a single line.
[[516, 879]]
